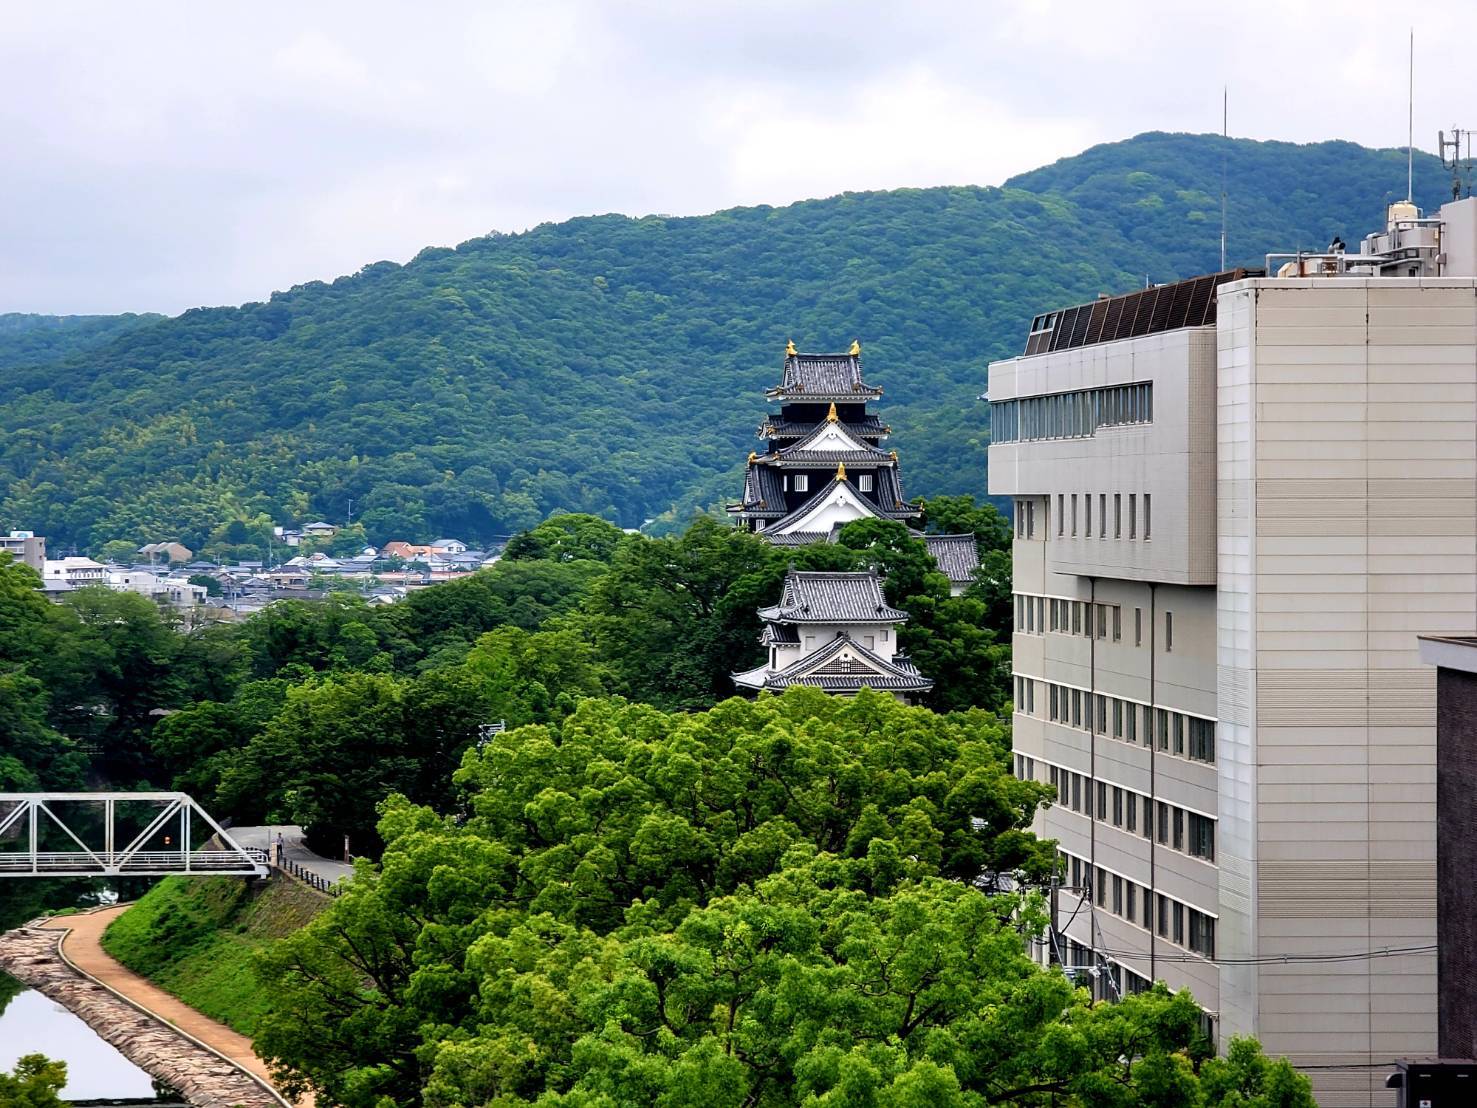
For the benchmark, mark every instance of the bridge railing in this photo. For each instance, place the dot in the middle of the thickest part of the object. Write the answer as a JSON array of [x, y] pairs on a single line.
[[139, 862]]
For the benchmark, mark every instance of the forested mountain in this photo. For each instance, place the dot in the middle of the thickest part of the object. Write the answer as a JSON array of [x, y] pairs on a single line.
[[615, 365], [34, 339]]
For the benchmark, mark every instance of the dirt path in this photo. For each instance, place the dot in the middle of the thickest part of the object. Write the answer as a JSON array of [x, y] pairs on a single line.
[[83, 945]]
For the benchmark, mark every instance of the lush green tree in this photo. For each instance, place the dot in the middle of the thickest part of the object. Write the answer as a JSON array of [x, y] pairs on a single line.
[[950, 638], [625, 816], [566, 537], [36, 1082], [673, 617], [533, 677], [211, 586]]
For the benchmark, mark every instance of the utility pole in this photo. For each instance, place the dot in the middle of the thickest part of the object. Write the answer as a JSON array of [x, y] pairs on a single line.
[[1052, 951]]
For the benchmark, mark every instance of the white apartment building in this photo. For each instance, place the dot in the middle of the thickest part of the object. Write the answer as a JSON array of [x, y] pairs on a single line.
[[1238, 501]]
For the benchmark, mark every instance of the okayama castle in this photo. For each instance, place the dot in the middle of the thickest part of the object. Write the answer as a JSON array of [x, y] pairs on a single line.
[[824, 467]]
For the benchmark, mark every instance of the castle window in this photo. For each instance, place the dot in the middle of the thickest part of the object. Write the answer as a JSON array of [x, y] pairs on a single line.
[[864, 482]]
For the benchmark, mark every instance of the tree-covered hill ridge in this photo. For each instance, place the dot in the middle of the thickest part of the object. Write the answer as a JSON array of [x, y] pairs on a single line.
[[615, 365]]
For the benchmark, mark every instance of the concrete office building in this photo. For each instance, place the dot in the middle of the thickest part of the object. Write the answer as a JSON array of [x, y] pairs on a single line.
[[1238, 500]]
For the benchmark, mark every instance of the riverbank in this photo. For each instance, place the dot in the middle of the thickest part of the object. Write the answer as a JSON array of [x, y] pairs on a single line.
[[151, 1029], [197, 937]]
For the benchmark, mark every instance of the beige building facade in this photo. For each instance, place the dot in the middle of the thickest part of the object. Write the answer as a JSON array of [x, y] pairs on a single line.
[[1231, 527]]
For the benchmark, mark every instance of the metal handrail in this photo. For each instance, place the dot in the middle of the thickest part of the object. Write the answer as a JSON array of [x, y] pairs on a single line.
[[118, 861]]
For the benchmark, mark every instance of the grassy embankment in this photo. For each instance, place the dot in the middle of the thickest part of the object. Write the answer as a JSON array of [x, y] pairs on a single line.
[[196, 937]]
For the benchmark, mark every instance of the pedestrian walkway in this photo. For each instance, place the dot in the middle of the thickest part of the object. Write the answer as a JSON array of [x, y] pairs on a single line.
[[295, 848], [83, 946]]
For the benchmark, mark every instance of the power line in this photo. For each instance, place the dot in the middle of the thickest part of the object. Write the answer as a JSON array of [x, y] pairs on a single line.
[[1281, 959]]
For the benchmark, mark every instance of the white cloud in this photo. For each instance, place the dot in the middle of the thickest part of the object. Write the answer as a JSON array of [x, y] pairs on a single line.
[[168, 153]]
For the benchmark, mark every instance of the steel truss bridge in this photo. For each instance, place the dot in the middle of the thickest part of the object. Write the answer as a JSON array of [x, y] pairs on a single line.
[[38, 840]]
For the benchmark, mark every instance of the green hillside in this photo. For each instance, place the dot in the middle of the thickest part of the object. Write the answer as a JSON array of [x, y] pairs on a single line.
[[38, 339], [615, 365]]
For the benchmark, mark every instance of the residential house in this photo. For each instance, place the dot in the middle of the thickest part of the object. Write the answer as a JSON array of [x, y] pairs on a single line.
[[171, 552]]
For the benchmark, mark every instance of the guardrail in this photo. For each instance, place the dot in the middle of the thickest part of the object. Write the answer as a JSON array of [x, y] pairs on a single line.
[[306, 876]]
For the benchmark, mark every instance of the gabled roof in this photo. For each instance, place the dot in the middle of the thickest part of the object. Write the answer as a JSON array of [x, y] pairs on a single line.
[[958, 556], [843, 666], [796, 538], [837, 490], [783, 427], [890, 494], [824, 597], [779, 633], [762, 492], [830, 444], [823, 376]]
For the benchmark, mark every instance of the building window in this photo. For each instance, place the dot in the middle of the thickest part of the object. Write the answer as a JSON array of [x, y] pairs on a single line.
[[1133, 504], [1030, 696], [1179, 828], [1202, 934], [1117, 719], [1202, 739], [1076, 792], [1117, 515], [1051, 703], [1177, 728], [1076, 617], [1087, 500], [1147, 517], [1131, 914], [1102, 621], [1202, 837], [1163, 915], [1102, 888], [1074, 515], [1161, 728], [1102, 714], [1117, 623], [1161, 818], [1061, 514], [869, 642], [1117, 895], [1117, 806], [1076, 707], [1168, 632], [1102, 800], [1102, 515], [1177, 912], [1131, 731], [1138, 627], [864, 482], [1130, 811], [802, 482]]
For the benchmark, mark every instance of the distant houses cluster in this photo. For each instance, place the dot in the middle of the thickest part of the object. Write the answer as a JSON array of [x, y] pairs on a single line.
[[170, 574]]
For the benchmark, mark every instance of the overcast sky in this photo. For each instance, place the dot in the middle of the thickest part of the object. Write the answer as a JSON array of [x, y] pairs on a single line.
[[156, 156]]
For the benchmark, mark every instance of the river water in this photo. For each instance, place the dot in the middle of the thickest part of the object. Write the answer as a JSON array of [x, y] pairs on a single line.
[[31, 1024]]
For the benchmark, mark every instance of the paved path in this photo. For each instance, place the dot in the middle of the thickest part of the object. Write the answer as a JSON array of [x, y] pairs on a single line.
[[297, 851], [83, 945]]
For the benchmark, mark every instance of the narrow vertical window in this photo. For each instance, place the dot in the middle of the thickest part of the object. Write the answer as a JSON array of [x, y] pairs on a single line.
[[1138, 627], [1133, 505], [1061, 515], [1087, 531], [1074, 515], [1131, 812], [1131, 714], [1102, 515], [1117, 623], [1168, 632], [1147, 518], [1117, 515]]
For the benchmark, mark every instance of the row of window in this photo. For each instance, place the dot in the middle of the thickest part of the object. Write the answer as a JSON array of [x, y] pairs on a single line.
[[1167, 730], [1036, 615], [1166, 917], [1124, 981], [800, 482], [1167, 824], [1125, 525], [1127, 520], [1071, 415]]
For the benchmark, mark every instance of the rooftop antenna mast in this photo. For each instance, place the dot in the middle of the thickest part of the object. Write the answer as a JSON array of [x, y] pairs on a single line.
[[1410, 127], [1460, 166], [1225, 137]]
